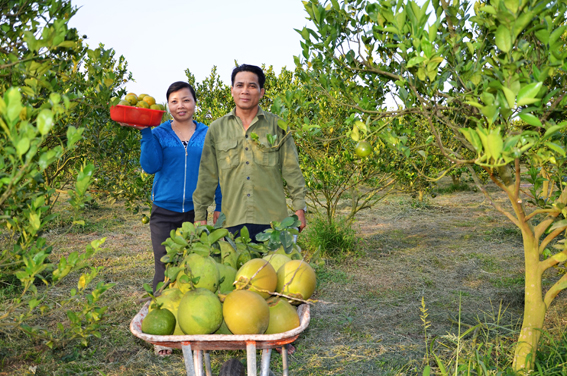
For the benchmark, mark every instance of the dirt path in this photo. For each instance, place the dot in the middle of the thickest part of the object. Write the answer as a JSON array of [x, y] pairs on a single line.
[[455, 251]]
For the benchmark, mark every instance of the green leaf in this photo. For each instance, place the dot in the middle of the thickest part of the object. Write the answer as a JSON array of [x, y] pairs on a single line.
[[148, 288], [172, 272], [528, 93], [495, 144], [13, 100], [354, 134], [44, 121], [522, 21], [510, 97], [551, 130], [283, 125], [503, 38], [556, 148], [415, 61], [23, 146], [488, 9], [530, 119], [472, 137], [558, 224], [216, 235]]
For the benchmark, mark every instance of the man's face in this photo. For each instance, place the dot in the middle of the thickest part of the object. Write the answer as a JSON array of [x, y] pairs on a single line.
[[246, 91]]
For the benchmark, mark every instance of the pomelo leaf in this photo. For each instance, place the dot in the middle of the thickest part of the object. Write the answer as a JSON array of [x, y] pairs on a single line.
[[527, 94], [530, 119], [503, 38]]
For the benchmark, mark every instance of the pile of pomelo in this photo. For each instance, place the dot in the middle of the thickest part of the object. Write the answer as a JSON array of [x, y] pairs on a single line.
[[215, 298], [141, 101]]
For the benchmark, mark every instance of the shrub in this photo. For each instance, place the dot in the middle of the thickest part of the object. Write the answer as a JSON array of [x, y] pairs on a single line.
[[335, 238]]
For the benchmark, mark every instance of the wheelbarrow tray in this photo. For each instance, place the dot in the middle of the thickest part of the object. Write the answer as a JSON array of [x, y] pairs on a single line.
[[207, 342]]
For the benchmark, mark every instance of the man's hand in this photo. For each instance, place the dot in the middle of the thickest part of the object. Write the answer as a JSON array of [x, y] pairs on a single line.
[[199, 223], [216, 216], [301, 216]]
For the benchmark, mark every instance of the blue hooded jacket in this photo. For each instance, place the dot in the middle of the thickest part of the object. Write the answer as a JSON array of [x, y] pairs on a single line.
[[176, 169]]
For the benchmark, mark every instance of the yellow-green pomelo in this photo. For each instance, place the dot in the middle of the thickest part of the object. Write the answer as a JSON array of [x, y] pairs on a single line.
[[170, 299], [156, 107], [263, 273], [277, 260], [226, 274], [229, 256], [142, 104], [131, 98], [298, 277], [283, 316], [142, 96], [159, 322], [204, 268], [200, 312], [124, 102], [246, 312]]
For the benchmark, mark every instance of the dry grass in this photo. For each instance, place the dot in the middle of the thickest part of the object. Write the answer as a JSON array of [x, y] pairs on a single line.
[[454, 247]]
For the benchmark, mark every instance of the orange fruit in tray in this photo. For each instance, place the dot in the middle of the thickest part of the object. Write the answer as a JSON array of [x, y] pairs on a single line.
[[156, 106], [141, 97], [149, 100]]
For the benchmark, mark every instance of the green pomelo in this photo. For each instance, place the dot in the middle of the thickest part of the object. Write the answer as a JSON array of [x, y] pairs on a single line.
[[159, 322], [223, 329], [246, 312], [277, 260], [228, 254], [200, 312], [228, 273], [265, 277], [299, 279], [283, 316], [170, 299], [204, 268]]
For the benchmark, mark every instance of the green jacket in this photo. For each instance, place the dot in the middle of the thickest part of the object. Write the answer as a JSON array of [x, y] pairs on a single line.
[[251, 176]]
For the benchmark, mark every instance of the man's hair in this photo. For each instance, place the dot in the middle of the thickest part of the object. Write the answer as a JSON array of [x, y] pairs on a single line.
[[249, 68], [176, 86]]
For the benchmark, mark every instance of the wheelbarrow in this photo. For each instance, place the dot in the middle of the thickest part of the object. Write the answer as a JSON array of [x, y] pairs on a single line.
[[196, 347]]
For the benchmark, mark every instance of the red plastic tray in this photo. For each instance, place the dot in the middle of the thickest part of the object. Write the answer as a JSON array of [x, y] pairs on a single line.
[[136, 116]]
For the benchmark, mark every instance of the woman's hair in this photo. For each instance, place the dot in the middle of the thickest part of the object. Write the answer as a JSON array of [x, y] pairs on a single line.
[[176, 86], [249, 68]]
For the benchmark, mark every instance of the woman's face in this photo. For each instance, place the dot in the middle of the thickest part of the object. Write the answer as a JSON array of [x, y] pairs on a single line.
[[181, 105]]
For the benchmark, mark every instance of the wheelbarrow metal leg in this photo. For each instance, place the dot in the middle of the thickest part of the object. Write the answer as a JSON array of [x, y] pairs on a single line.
[[208, 370], [265, 365], [188, 358], [284, 360], [251, 358], [198, 360]]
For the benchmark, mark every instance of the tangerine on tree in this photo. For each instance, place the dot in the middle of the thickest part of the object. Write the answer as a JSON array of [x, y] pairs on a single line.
[[363, 149]]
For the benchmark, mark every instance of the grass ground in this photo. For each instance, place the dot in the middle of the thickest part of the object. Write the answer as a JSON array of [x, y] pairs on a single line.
[[454, 251]]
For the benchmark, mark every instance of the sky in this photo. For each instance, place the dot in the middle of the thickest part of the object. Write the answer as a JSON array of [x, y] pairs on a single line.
[[161, 38]]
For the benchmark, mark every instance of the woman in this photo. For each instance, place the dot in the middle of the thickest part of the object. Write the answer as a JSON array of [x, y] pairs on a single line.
[[172, 151]]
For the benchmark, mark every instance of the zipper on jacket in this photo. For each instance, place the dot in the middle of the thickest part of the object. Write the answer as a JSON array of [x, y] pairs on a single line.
[[184, 180]]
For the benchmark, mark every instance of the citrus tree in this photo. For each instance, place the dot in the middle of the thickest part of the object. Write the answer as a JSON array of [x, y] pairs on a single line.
[[489, 73], [38, 53]]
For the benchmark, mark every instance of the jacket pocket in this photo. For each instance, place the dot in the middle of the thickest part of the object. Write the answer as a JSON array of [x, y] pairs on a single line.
[[227, 155], [265, 157]]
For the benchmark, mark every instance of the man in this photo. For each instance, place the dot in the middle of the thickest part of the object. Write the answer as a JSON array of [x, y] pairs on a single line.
[[250, 170]]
